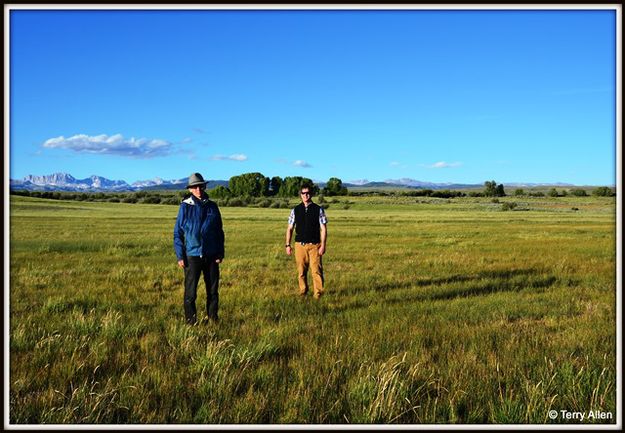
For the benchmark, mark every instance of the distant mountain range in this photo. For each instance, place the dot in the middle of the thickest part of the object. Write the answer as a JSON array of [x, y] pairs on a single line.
[[67, 182], [411, 183]]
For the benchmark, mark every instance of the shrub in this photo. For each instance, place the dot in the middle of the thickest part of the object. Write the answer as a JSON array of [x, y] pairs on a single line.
[[170, 200], [412, 193], [151, 199], [508, 206], [236, 202], [579, 192], [603, 191], [280, 204], [24, 193], [446, 194]]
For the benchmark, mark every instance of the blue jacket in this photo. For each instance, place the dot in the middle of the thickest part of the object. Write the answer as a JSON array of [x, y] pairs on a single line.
[[198, 230]]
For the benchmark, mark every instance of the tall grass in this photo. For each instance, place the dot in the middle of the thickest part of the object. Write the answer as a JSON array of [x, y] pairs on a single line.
[[436, 312]]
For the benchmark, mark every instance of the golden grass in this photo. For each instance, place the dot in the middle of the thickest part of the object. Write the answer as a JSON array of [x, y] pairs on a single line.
[[437, 312]]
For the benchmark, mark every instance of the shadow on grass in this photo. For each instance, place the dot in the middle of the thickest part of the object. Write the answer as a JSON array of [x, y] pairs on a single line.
[[480, 284]]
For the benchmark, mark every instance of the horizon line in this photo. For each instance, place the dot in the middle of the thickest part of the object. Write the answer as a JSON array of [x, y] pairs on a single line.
[[353, 182]]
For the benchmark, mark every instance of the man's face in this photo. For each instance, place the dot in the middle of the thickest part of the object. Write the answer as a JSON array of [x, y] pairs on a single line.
[[306, 195], [196, 191]]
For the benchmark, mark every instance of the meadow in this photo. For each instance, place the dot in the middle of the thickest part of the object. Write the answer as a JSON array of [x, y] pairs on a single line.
[[437, 311]]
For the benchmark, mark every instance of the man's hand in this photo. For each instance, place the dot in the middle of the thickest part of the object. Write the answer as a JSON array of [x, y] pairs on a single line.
[[288, 250], [219, 260], [181, 264], [322, 250]]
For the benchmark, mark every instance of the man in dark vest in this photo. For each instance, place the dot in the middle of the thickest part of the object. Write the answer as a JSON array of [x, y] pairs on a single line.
[[309, 221]]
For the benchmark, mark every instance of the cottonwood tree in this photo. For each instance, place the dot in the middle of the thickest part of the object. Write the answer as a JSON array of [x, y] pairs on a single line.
[[291, 186], [334, 187], [220, 192], [274, 185], [491, 189], [249, 184]]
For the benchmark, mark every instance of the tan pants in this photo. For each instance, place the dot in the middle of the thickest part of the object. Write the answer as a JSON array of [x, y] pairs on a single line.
[[307, 256]]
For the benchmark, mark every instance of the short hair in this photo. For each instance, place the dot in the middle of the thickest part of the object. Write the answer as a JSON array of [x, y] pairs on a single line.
[[306, 185]]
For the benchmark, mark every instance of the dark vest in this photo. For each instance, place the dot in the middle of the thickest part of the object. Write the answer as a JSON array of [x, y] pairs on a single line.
[[307, 223]]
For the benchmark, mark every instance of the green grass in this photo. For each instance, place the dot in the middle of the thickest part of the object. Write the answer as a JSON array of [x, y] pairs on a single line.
[[436, 312]]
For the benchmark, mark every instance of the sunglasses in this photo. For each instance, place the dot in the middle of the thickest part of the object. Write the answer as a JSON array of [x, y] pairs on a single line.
[[305, 193]]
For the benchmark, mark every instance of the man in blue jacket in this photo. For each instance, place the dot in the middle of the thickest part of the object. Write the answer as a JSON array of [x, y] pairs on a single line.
[[199, 246]]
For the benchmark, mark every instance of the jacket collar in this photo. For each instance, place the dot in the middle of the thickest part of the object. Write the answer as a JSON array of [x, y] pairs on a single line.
[[192, 200]]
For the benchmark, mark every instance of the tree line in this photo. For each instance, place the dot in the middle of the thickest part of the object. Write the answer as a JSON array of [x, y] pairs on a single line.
[[257, 185], [492, 189]]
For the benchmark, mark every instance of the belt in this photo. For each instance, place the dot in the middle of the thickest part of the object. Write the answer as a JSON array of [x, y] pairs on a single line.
[[307, 243]]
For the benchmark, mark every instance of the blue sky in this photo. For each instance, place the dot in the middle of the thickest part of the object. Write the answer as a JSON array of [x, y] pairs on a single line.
[[439, 96]]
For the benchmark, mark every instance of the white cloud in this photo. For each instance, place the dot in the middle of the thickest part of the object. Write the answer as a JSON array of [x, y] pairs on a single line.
[[300, 163], [113, 145], [234, 157], [443, 164]]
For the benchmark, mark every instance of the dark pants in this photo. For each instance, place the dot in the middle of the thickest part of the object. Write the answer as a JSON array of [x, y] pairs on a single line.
[[210, 269]]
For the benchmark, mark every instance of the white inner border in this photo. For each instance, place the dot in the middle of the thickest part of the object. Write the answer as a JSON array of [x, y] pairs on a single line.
[[509, 7]]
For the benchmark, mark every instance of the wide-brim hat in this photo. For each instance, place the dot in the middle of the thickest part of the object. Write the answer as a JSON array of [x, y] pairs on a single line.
[[196, 179]]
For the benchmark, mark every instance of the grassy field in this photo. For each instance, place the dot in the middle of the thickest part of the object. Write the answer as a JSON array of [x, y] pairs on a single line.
[[436, 312]]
